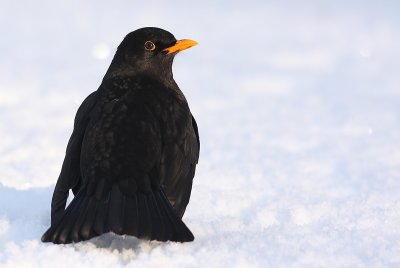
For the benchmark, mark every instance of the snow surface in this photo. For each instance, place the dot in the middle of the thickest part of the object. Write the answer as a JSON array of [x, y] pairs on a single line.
[[298, 110]]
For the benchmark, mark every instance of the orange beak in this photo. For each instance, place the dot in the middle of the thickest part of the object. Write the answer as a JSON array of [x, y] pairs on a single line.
[[180, 45]]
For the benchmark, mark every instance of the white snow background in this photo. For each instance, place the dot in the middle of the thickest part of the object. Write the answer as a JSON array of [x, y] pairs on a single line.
[[298, 106]]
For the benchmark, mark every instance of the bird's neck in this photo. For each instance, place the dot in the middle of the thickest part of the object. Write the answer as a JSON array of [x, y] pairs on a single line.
[[161, 72]]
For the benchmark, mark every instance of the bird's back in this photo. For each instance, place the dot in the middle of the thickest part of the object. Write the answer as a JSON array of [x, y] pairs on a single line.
[[139, 125]]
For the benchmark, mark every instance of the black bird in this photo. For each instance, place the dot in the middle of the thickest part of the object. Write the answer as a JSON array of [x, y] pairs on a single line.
[[133, 152]]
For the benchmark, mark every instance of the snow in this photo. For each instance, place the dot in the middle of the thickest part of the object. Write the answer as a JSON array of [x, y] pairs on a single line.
[[298, 110]]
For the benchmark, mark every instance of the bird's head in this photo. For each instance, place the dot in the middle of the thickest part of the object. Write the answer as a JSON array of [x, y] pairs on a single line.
[[147, 51]]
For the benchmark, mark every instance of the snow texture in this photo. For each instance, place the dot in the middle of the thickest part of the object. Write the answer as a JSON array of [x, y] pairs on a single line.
[[298, 110]]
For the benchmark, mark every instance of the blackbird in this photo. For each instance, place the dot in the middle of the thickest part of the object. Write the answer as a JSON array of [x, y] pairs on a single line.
[[132, 155]]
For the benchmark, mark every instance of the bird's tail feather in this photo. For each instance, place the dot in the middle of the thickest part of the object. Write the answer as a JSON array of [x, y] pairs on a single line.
[[146, 216]]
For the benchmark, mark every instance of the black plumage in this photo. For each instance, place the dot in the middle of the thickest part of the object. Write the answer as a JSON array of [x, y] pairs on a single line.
[[133, 152]]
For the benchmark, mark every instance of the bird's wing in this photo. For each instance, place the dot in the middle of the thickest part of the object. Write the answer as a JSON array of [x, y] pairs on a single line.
[[178, 165], [70, 177], [196, 131]]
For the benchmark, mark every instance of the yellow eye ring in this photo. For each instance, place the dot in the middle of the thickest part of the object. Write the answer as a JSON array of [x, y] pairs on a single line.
[[149, 46]]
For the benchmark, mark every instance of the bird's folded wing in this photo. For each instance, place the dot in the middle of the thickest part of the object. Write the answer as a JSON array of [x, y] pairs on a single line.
[[178, 165], [70, 173]]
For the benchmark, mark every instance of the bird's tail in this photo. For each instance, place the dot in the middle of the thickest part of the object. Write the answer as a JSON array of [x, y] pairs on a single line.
[[146, 216]]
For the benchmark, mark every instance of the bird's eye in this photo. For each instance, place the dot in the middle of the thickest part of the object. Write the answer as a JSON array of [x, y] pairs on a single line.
[[149, 46]]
